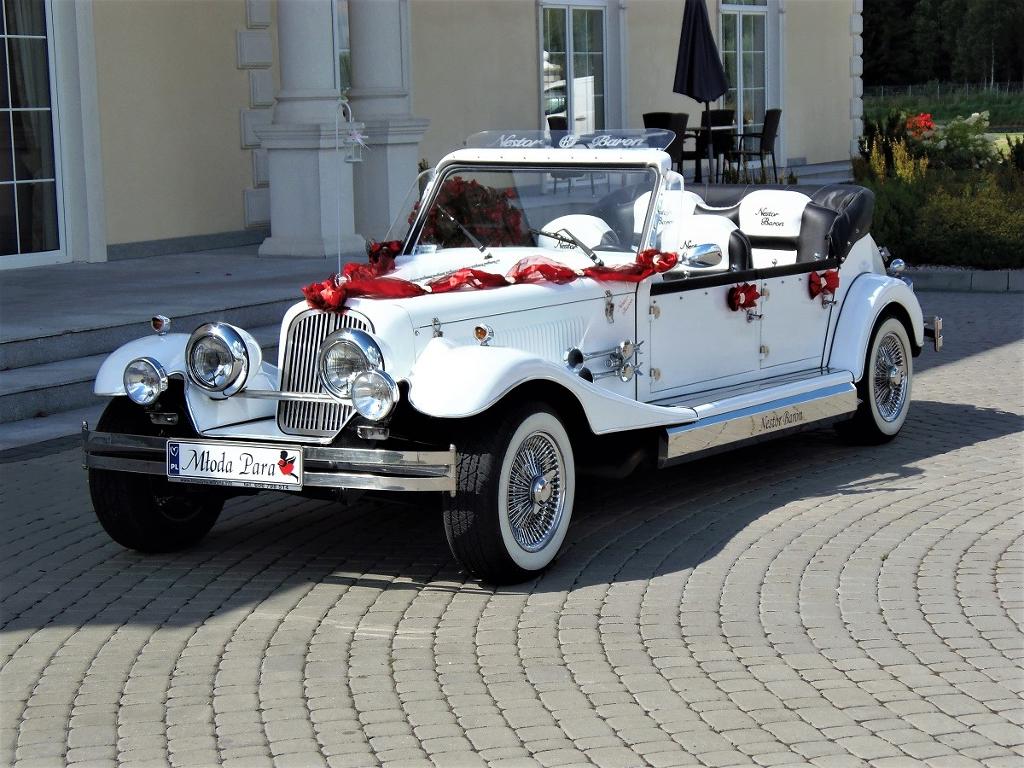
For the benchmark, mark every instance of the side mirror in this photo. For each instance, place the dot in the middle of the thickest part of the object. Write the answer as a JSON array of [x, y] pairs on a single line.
[[703, 256]]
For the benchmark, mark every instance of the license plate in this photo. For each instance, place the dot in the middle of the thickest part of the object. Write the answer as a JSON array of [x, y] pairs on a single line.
[[241, 464]]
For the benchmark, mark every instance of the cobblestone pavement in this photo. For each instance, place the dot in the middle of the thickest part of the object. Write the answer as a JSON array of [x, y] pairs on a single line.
[[806, 602]]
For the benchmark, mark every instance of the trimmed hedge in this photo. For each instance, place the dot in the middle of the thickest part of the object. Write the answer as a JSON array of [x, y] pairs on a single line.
[[945, 219]]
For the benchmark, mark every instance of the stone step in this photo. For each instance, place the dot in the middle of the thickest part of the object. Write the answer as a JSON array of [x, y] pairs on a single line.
[[53, 387], [838, 172], [102, 339]]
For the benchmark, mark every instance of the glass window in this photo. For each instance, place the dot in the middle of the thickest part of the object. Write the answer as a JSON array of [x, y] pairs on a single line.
[[516, 207], [28, 172], [342, 47], [573, 68], [743, 54]]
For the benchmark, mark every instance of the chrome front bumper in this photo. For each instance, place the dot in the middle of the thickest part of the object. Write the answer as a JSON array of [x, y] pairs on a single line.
[[324, 467]]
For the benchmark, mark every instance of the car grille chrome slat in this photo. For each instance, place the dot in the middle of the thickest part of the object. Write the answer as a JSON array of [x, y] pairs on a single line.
[[299, 374]]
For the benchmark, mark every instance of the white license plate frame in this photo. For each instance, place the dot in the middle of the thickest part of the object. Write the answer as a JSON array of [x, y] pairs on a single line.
[[237, 464]]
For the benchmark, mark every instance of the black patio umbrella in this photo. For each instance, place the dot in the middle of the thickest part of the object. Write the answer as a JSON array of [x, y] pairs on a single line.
[[699, 71]]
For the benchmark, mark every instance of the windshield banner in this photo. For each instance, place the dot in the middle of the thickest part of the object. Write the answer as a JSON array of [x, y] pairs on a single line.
[[638, 138]]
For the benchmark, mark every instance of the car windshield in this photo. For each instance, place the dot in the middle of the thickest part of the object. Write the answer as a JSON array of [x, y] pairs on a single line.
[[579, 207]]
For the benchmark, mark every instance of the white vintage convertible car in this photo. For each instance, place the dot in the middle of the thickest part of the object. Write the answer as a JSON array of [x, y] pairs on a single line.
[[558, 306]]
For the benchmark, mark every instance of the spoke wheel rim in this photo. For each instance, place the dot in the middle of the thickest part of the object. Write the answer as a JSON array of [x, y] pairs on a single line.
[[536, 492], [890, 377]]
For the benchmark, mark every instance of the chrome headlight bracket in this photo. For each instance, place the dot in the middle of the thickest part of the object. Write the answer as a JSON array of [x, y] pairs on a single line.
[[144, 380], [359, 342], [234, 344]]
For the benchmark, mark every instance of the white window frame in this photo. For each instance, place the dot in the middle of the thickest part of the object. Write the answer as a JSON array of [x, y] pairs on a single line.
[[774, 58], [614, 29], [61, 254]]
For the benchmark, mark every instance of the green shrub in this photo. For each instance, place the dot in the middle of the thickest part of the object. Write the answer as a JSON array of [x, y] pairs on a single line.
[[984, 230], [957, 218], [1014, 157], [960, 144]]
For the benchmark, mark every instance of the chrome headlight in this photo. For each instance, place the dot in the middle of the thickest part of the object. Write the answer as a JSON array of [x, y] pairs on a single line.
[[343, 356], [144, 380], [217, 358], [374, 394]]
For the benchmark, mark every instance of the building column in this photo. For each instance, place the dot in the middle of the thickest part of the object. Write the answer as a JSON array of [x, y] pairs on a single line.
[[310, 183], [381, 99]]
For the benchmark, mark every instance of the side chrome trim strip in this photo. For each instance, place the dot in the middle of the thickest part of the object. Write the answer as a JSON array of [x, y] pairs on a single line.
[[790, 414]]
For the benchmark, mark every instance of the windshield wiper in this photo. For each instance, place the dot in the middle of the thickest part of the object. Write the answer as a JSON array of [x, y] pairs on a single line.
[[565, 236], [469, 235]]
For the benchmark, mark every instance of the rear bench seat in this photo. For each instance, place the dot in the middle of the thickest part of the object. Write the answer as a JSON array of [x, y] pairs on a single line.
[[785, 225]]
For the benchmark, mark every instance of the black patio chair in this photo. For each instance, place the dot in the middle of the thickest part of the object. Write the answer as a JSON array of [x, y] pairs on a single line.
[[765, 143], [716, 124], [675, 122], [558, 126]]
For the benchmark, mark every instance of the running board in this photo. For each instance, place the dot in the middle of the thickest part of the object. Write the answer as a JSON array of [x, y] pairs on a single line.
[[759, 422]]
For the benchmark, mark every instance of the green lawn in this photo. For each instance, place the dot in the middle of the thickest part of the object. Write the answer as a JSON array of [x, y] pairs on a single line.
[[1000, 139], [1005, 109]]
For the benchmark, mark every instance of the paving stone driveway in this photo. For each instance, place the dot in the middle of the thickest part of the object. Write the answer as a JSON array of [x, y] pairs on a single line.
[[802, 602]]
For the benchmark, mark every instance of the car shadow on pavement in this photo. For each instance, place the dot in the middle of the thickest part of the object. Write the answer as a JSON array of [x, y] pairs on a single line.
[[274, 547]]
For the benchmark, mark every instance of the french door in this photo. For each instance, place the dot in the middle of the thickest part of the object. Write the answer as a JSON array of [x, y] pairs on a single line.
[[30, 194], [744, 33], [574, 66]]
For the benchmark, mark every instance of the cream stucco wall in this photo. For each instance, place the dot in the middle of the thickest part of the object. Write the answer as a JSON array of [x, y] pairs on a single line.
[[474, 67], [817, 91], [815, 51], [169, 99], [653, 28]]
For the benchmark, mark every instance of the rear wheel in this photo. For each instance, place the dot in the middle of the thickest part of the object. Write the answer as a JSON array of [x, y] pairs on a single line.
[[884, 389], [146, 512], [516, 483]]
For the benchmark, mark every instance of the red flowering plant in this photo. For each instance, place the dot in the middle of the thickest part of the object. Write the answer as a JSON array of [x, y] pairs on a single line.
[[921, 126], [490, 215]]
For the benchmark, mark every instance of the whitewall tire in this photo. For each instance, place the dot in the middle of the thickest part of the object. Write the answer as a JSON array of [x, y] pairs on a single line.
[[885, 388], [516, 487]]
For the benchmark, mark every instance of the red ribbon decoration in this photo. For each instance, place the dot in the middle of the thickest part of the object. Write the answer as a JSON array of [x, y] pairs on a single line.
[[742, 297], [466, 277], [538, 269], [371, 280], [826, 282]]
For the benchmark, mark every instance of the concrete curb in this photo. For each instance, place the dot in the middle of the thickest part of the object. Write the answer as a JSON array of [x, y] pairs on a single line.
[[968, 280]]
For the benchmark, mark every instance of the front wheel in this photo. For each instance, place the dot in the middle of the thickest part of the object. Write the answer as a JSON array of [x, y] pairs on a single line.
[[514, 499], [884, 389], [146, 512]]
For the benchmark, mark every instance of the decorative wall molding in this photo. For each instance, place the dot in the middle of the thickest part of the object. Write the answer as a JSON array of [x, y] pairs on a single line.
[[251, 119], [257, 14], [257, 207], [260, 168], [261, 88], [256, 54], [856, 79], [255, 48]]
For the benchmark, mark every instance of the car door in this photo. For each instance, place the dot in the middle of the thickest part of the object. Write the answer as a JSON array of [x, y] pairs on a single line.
[[695, 341], [793, 323]]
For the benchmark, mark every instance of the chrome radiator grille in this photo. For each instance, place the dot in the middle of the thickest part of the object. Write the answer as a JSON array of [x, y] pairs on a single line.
[[299, 374]]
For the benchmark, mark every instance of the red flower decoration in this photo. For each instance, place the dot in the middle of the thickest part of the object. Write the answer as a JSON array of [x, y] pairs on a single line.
[[743, 297], [389, 249], [826, 282], [919, 125]]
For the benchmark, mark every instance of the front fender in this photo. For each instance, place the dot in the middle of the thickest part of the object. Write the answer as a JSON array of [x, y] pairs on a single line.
[[869, 296], [456, 381], [168, 350]]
